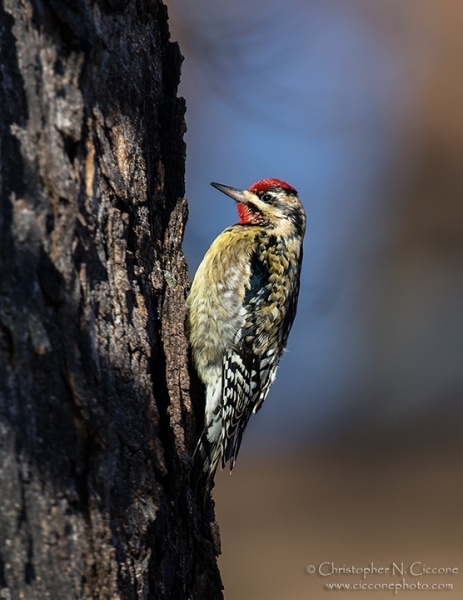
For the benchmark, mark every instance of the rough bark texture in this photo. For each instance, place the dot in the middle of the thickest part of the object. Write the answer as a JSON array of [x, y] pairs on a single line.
[[96, 422]]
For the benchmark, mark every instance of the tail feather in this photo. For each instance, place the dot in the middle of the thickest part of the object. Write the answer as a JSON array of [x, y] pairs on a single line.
[[206, 459], [231, 399]]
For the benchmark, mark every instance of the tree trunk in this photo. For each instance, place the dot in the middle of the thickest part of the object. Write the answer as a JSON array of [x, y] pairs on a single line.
[[96, 420]]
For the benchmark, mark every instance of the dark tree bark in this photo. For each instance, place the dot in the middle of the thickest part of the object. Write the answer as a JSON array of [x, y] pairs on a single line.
[[96, 421]]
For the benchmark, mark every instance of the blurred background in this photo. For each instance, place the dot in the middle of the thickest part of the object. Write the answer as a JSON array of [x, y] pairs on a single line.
[[356, 455]]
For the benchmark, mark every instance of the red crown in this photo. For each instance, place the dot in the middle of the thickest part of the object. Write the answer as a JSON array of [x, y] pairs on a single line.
[[267, 184]]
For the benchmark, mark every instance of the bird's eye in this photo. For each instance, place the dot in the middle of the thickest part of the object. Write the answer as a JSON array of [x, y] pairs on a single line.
[[267, 197]]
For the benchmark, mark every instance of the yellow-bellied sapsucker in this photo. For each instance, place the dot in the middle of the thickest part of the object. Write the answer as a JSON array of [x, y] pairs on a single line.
[[241, 307]]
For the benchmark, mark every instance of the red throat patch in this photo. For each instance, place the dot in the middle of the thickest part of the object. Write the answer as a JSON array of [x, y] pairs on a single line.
[[246, 215]]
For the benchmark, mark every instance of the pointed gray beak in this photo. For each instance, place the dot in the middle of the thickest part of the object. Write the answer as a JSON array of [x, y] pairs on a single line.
[[230, 191]]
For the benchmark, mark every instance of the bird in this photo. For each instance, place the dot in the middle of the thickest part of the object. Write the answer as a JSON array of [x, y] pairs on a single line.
[[240, 310]]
